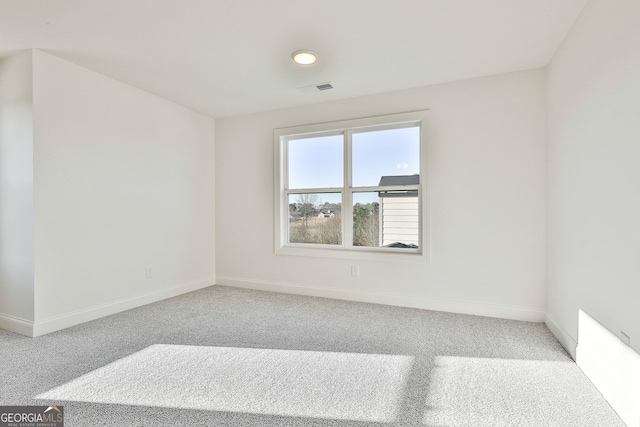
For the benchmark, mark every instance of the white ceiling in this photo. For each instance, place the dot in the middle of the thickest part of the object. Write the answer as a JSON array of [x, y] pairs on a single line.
[[230, 57]]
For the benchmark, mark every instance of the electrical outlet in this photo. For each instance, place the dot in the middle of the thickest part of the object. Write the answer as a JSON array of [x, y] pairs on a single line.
[[625, 338], [149, 272], [355, 270]]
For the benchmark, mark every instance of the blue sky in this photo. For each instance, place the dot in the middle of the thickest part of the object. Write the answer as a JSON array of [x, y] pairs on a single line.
[[384, 153], [318, 162]]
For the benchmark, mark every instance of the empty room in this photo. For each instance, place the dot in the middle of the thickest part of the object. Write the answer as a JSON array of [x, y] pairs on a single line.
[[320, 213]]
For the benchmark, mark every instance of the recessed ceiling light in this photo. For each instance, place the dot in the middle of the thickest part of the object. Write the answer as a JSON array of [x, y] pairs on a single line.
[[304, 57]]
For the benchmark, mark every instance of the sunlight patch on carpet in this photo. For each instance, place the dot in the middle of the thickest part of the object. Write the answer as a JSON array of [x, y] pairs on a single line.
[[330, 385], [492, 392]]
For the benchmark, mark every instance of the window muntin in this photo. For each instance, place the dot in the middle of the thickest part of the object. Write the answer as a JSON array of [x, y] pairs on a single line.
[[393, 148], [366, 219]]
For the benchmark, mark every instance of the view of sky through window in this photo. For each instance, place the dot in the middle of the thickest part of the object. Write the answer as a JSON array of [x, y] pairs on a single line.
[[385, 153], [316, 162]]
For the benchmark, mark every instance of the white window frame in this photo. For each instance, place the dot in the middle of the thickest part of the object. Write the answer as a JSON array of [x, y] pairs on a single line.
[[346, 249]]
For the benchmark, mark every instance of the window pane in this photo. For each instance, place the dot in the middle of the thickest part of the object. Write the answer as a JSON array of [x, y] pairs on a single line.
[[381, 153], [315, 218], [366, 219], [386, 219], [316, 162]]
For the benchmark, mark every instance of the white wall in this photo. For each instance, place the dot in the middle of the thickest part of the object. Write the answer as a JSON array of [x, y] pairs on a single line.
[[594, 171], [16, 193], [486, 193], [594, 178], [123, 180]]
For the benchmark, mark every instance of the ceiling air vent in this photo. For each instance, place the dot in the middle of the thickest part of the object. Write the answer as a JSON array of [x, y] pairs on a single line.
[[318, 87]]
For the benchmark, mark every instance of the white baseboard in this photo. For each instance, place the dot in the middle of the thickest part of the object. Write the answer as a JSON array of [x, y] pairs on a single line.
[[77, 317], [437, 304], [16, 324], [561, 335]]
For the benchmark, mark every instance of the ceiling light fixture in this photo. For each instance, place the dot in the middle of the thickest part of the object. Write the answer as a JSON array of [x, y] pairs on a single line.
[[304, 57]]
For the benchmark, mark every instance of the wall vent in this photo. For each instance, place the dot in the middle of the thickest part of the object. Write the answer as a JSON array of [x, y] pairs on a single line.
[[324, 86]]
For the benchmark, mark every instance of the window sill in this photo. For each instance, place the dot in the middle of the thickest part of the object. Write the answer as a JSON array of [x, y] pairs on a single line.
[[404, 255]]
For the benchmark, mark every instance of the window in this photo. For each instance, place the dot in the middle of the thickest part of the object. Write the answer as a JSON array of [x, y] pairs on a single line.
[[354, 186]]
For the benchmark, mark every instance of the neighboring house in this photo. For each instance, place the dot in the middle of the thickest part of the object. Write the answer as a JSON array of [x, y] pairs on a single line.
[[326, 214], [399, 211]]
